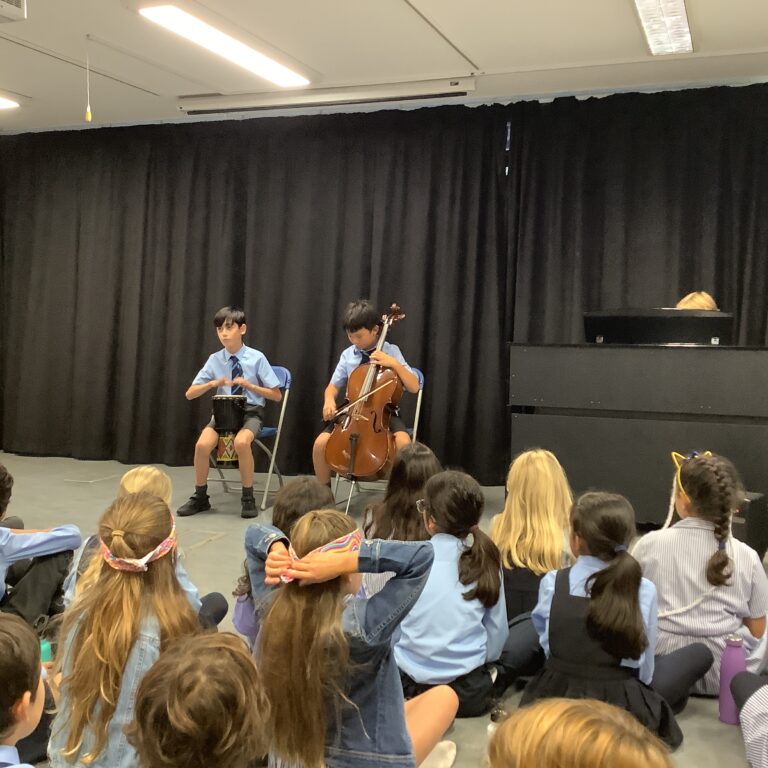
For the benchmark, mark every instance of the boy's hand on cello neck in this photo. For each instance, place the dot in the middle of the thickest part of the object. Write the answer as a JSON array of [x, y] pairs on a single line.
[[410, 382]]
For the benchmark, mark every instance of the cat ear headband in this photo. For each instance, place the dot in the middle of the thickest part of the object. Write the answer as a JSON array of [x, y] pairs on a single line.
[[680, 459]]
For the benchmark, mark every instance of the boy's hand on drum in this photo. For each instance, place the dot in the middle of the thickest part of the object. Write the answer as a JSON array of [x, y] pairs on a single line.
[[216, 383], [239, 381]]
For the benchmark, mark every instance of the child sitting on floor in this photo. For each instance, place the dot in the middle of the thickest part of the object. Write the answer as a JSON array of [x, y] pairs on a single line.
[[22, 692], [200, 705]]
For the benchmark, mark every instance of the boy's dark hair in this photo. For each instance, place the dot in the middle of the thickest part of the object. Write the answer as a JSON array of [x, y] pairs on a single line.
[[715, 490], [606, 524], [396, 516], [360, 314], [19, 666], [455, 501], [201, 704], [227, 315], [295, 499], [6, 484]]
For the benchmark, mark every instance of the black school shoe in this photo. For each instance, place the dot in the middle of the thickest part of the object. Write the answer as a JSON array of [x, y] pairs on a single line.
[[248, 507], [194, 505]]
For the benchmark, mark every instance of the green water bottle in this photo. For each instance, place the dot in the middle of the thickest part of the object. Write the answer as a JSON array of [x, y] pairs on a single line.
[[46, 654]]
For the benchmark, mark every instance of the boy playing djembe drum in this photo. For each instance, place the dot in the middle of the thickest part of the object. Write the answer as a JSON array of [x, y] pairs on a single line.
[[235, 370]]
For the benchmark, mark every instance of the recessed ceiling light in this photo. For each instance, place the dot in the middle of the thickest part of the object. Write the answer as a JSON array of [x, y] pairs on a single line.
[[222, 44], [665, 23], [8, 103]]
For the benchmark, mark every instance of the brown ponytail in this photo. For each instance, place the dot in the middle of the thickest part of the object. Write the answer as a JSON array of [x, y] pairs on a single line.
[[714, 489], [455, 502], [606, 524]]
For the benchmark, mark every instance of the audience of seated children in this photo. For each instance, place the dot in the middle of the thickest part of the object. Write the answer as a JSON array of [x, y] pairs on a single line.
[[396, 516], [294, 499], [555, 733], [22, 693], [199, 706], [458, 626], [710, 585], [33, 563], [597, 625], [114, 632], [87, 565], [326, 660]]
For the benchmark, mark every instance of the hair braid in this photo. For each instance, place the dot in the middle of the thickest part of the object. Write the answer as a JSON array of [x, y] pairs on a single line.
[[713, 486]]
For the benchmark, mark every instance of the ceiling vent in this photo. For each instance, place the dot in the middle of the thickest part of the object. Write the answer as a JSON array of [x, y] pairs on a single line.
[[13, 10]]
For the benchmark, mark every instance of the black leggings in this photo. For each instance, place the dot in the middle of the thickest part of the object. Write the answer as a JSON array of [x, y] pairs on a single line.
[[744, 685], [676, 672]]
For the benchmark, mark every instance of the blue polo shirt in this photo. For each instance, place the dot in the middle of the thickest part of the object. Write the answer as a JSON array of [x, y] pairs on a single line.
[[22, 546], [9, 756], [352, 357], [256, 370]]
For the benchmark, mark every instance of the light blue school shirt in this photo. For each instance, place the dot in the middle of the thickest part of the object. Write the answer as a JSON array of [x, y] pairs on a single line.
[[581, 570], [256, 370], [21, 546], [445, 636], [10, 756], [352, 357]]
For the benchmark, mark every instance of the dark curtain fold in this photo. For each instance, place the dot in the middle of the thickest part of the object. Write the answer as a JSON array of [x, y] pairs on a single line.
[[635, 200], [118, 245]]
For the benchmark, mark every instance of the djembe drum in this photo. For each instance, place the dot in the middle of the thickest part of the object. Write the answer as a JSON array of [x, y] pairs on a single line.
[[228, 415]]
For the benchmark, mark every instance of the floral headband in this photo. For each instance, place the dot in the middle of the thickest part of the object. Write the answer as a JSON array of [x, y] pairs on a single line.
[[679, 460], [350, 542], [138, 564]]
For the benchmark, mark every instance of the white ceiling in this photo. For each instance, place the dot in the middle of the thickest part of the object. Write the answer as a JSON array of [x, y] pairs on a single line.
[[515, 48]]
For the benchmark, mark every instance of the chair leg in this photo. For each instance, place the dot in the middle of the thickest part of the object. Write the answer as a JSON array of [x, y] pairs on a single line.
[[214, 465]]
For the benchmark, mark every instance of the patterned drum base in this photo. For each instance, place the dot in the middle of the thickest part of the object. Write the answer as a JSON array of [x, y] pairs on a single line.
[[226, 453]]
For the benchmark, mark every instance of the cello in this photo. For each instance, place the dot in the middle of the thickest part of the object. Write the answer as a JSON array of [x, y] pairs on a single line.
[[361, 445]]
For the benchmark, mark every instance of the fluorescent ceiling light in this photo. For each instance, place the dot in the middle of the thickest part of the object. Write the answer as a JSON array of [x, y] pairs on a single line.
[[218, 42], [665, 24], [8, 103]]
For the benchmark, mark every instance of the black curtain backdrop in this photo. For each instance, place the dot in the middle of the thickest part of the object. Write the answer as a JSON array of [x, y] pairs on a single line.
[[118, 246], [485, 224], [634, 201]]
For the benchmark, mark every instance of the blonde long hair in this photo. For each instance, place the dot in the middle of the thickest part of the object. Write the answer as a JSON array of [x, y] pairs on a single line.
[[147, 479], [101, 626], [575, 733], [303, 652], [530, 531]]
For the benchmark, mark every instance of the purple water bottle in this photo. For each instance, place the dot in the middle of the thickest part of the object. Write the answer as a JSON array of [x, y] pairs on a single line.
[[734, 660]]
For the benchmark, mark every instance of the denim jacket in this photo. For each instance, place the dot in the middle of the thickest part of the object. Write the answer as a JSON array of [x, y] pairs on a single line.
[[117, 753], [374, 734]]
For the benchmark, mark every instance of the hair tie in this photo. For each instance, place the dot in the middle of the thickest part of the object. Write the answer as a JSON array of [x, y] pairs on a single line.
[[619, 548], [721, 545], [135, 564]]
